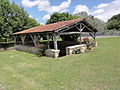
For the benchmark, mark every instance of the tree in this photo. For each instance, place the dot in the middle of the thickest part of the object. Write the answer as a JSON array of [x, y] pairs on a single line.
[[56, 17], [95, 22], [114, 23], [13, 18]]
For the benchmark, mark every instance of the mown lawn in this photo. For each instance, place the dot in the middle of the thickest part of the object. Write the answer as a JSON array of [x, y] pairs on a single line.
[[96, 70]]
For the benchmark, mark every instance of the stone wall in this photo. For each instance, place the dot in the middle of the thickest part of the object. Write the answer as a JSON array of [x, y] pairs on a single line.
[[4, 49], [29, 49], [52, 53], [81, 47]]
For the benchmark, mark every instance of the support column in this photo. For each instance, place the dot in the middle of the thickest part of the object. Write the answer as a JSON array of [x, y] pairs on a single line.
[[80, 32], [15, 39], [48, 42], [94, 37], [23, 38], [91, 34], [34, 38], [80, 28], [55, 42]]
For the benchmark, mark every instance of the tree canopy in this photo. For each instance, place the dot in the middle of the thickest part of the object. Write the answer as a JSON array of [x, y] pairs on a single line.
[[114, 23], [56, 17], [13, 18]]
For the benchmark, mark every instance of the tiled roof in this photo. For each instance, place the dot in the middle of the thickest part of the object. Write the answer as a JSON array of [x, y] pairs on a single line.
[[50, 27]]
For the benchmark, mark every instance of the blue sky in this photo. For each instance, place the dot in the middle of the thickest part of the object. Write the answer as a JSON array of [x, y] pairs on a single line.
[[42, 9]]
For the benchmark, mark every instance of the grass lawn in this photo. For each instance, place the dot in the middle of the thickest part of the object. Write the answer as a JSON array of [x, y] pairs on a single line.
[[96, 70]]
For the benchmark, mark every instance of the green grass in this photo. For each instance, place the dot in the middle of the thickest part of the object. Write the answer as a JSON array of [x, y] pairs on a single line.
[[96, 70]]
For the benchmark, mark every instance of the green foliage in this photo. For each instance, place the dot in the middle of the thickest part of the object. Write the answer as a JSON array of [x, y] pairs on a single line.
[[56, 17], [114, 23], [13, 18], [95, 22]]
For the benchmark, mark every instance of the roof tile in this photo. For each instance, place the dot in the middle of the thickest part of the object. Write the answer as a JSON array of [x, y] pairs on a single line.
[[49, 27]]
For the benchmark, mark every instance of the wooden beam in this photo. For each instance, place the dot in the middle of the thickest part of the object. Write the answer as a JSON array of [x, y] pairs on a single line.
[[92, 36], [65, 29], [68, 27], [68, 33], [80, 28], [87, 27]]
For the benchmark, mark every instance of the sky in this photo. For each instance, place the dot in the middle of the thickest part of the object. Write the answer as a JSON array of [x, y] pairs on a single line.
[[40, 10]]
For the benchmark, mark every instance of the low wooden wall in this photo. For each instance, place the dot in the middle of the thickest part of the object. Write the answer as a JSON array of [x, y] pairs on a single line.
[[29, 49]]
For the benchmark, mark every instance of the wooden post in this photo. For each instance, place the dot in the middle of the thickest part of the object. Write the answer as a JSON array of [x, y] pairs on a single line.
[[80, 33], [55, 42], [15, 39], [80, 30], [23, 38], [48, 41], [34, 38], [94, 37]]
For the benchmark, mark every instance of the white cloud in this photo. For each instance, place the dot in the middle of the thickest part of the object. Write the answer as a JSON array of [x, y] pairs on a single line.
[[51, 9], [47, 16], [98, 11], [28, 3], [44, 5], [81, 8], [103, 11], [102, 5], [107, 10]]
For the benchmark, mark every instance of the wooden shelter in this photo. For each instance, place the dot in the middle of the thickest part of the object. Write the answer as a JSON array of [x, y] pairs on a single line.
[[53, 31]]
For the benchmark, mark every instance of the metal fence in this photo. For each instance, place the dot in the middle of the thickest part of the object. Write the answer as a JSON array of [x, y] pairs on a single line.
[[108, 33]]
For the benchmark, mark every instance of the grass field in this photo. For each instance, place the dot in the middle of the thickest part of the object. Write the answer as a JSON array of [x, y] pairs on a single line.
[[96, 70]]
